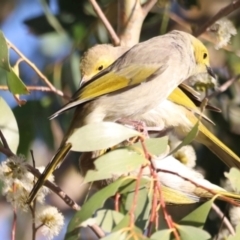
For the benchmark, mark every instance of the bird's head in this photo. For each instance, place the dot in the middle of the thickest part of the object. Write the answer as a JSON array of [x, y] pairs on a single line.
[[97, 59], [201, 56]]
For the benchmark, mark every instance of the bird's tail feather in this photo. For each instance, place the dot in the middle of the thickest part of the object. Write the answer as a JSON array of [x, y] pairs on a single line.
[[56, 160], [218, 147]]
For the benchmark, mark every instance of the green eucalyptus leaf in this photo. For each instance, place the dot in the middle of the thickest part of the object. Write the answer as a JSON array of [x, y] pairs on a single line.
[[133, 232], [234, 178], [108, 219], [190, 233], [131, 186], [8, 126], [188, 139], [4, 53], [15, 84], [199, 216], [115, 163], [94, 203], [164, 234], [155, 146], [120, 235], [100, 135], [143, 206]]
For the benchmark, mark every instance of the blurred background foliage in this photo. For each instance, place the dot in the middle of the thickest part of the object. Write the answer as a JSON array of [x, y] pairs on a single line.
[[53, 34]]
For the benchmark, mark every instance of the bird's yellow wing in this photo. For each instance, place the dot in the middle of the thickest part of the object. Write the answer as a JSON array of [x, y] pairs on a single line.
[[218, 147], [205, 136], [180, 98], [116, 80], [110, 81]]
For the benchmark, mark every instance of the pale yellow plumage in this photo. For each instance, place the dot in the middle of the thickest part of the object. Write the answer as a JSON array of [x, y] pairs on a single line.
[[133, 84]]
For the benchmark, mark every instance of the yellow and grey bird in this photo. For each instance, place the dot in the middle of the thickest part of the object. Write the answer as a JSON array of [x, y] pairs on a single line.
[[177, 111], [142, 77]]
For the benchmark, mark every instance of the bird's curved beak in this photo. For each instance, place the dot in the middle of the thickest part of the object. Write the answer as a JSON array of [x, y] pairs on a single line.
[[83, 80], [210, 72]]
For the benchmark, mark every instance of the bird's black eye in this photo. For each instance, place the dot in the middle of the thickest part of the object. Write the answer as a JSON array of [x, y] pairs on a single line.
[[204, 55], [100, 68]]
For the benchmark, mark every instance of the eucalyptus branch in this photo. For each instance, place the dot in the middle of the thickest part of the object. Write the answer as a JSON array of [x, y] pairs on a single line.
[[214, 193], [146, 7], [29, 88], [234, 5], [70, 202], [57, 190], [223, 87], [14, 225], [34, 67], [224, 219], [107, 24], [158, 186]]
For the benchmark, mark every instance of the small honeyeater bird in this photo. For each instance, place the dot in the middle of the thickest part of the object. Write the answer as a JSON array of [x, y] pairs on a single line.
[[142, 77], [176, 190], [177, 111]]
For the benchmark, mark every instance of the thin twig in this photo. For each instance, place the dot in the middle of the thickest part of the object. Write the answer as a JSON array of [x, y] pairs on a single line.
[[116, 201], [39, 226], [214, 193], [167, 217], [14, 224], [5, 149], [134, 204], [71, 203], [180, 21], [153, 211], [224, 87], [34, 67], [224, 219], [108, 26], [33, 206], [234, 5], [146, 7], [52, 20], [57, 190], [4, 141], [157, 183], [33, 159], [34, 229], [31, 88]]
